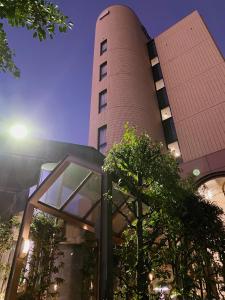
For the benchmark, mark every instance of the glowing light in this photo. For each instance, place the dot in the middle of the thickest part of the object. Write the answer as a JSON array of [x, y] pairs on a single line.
[[150, 276], [18, 131], [85, 227], [196, 172], [161, 289], [25, 248], [55, 287], [209, 195]]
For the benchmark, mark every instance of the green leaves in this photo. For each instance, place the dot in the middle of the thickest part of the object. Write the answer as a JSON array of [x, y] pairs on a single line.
[[42, 17], [181, 232]]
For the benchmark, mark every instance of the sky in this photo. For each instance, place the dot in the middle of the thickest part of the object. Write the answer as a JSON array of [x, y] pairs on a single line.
[[52, 96]]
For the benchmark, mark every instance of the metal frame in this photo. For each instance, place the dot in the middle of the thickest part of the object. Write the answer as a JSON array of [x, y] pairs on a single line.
[[105, 255]]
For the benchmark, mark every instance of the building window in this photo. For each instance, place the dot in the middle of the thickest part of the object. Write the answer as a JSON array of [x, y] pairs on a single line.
[[102, 139], [169, 131], [159, 84], [174, 149], [154, 61], [103, 47], [157, 72], [102, 101], [103, 70], [166, 113], [162, 98], [152, 52]]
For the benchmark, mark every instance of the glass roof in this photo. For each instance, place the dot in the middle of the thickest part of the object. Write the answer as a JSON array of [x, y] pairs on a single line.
[[73, 192], [64, 186]]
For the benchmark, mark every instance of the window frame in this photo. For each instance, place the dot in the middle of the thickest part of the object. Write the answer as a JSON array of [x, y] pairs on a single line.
[[102, 75], [101, 106], [102, 50], [104, 144]]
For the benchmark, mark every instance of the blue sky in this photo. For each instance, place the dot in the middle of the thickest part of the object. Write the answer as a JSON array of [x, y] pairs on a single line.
[[53, 94]]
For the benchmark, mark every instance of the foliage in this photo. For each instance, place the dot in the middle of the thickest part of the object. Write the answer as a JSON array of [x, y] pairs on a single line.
[[175, 234], [44, 259], [6, 244], [42, 17], [89, 267]]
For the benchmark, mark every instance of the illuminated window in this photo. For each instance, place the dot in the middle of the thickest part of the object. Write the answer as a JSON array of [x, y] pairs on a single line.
[[102, 101], [103, 70], [166, 113], [154, 61], [174, 149], [103, 47], [102, 139], [159, 84]]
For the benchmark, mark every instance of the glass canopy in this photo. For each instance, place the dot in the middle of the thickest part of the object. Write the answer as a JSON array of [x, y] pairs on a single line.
[[73, 191]]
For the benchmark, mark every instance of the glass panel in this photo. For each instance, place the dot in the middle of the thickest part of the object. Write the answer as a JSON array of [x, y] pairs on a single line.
[[174, 149], [103, 70], [159, 84], [166, 113], [102, 139], [86, 197], [169, 131], [154, 61], [118, 198], [95, 214], [63, 187], [102, 100], [119, 222], [103, 47], [162, 98]]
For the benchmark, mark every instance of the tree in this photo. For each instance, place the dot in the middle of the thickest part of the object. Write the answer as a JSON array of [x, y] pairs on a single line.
[[42, 17], [40, 274], [7, 233], [175, 233], [142, 169]]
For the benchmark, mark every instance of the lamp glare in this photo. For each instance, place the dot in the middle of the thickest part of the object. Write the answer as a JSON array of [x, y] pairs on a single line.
[[18, 131]]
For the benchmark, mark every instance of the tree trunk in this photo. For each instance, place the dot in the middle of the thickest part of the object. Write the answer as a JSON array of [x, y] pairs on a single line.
[[142, 284]]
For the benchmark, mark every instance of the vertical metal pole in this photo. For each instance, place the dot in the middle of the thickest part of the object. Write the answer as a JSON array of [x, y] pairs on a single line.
[[105, 253], [17, 264]]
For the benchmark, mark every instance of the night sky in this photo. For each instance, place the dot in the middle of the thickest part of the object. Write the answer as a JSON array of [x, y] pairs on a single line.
[[53, 94]]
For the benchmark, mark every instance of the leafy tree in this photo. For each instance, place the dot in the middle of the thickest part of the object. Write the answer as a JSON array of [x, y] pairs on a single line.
[[142, 169], [43, 264], [175, 233], [6, 244], [42, 17]]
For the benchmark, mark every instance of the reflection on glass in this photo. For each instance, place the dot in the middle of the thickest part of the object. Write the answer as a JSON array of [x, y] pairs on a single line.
[[118, 198], [65, 184], [119, 222], [86, 197]]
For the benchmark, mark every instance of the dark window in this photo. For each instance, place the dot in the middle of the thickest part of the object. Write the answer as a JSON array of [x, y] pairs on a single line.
[[162, 98], [102, 139], [103, 47], [157, 72], [102, 101], [152, 52], [103, 70], [169, 131]]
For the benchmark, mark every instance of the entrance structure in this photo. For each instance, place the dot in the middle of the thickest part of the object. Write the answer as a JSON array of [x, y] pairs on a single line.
[[75, 190]]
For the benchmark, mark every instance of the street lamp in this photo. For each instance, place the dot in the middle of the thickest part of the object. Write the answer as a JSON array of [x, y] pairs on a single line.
[[18, 131]]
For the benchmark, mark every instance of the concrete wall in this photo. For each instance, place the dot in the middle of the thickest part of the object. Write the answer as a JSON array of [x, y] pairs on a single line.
[[194, 75], [129, 83]]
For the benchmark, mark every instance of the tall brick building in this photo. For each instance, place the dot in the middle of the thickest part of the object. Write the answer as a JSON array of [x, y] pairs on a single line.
[[172, 86]]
